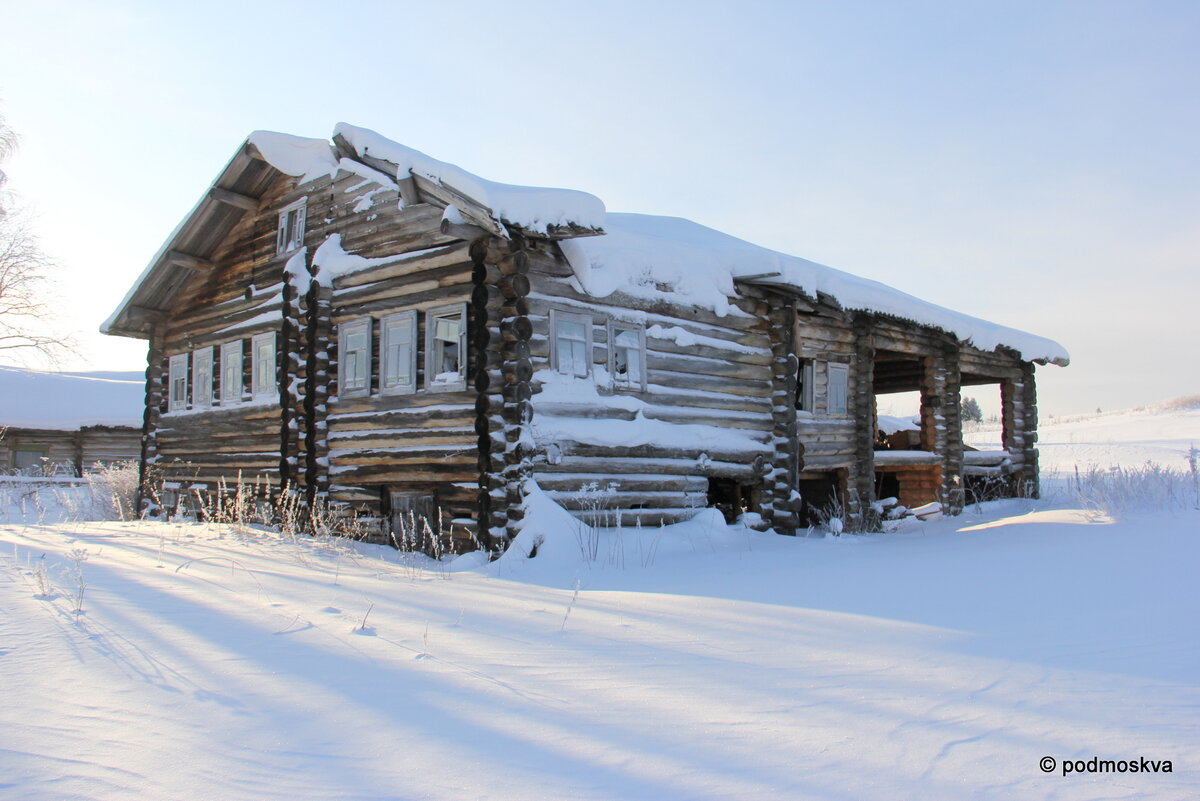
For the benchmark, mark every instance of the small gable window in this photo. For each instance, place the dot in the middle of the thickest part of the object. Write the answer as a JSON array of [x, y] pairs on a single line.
[[264, 365], [446, 347], [202, 384], [627, 355], [290, 233], [231, 372], [354, 358], [177, 401], [398, 352], [571, 336]]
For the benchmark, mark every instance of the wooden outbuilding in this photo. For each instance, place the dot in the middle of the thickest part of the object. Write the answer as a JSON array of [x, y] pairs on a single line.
[[359, 323], [67, 424]]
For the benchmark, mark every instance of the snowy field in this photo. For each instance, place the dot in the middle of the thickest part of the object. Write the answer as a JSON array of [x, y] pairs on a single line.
[[945, 660]]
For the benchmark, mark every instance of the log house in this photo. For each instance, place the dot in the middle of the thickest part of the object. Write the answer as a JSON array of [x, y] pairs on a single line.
[[357, 322]]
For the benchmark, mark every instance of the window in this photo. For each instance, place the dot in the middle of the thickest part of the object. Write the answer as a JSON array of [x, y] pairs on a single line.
[[398, 352], [627, 355], [839, 375], [231, 372], [804, 386], [290, 234], [29, 457], [202, 384], [177, 383], [446, 347], [354, 359], [264, 365], [571, 343]]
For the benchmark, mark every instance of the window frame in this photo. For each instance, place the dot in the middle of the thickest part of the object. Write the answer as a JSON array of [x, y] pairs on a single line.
[[613, 326], [345, 331], [806, 383], [283, 242], [272, 384], [843, 370], [407, 320], [177, 371], [458, 310], [229, 394], [559, 316], [202, 392]]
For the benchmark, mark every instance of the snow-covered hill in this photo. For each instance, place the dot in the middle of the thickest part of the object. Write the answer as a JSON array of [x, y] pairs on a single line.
[[941, 661]]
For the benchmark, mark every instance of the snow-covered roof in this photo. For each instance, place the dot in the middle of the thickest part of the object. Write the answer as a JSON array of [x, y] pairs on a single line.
[[654, 257], [67, 401], [657, 257]]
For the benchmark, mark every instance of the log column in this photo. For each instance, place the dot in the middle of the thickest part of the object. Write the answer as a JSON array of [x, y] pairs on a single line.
[[861, 484], [155, 366], [778, 508], [953, 491]]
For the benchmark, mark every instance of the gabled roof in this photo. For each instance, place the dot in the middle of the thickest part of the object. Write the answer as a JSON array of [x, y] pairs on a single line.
[[637, 254], [190, 247]]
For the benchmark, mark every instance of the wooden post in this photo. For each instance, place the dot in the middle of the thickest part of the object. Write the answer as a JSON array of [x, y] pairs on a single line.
[[953, 490], [150, 417], [861, 483], [778, 508]]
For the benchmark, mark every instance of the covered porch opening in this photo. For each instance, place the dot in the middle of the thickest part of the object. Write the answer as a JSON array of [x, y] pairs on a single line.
[[989, 472]]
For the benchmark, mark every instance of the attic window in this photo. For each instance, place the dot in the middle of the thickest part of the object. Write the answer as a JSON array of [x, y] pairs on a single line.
[[290, 233]]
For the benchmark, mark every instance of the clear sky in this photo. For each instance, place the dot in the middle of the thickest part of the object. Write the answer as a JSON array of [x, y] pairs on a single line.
[[1035, 164]]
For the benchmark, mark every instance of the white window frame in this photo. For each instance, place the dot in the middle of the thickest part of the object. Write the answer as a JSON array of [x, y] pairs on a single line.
[[231, 357], [837, 391], [263, 386], [638, 385], [806, 375], [345, 332], [289, 231], [389, 327], [557, 318], [202, 378], [177, 379], [432, 350]]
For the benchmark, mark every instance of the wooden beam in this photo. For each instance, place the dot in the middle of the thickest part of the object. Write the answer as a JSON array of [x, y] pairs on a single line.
[[188, 261], [235, 199], [138, 314], [408, 191]]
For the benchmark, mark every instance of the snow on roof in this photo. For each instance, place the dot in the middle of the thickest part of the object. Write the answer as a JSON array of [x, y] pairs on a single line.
[[641, 255], [66, 401], [657, 257], [533, 208]]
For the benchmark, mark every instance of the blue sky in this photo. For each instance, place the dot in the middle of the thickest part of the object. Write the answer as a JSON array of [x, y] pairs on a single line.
[[1034, 164]]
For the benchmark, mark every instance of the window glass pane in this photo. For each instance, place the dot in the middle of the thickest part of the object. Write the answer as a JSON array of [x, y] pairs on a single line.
[[568, 329], [448, 329]]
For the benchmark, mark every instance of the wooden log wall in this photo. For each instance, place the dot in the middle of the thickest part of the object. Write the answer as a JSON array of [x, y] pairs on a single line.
[[423, 443], [720, 382], [239, 297], [826, 335]]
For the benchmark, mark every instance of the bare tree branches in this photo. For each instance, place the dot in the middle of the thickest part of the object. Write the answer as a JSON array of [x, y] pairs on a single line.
[[25, 315]]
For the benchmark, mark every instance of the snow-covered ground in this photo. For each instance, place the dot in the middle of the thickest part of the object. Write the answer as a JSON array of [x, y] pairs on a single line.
[[944, 660]]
